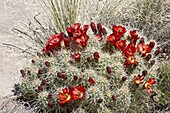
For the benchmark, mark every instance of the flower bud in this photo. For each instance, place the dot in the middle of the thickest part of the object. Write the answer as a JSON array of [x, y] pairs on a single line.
[[99, 27], [64, 76], [109, 70], [50, 104], [136, 64], [113, 98], [100, 100], [151, 44], [47, 64], [40, 88], [157, 52], [142, 41], [75, 78], [99, 37], [124, 78], [50, 95], [76, 56], [40, 71], [104, 32], [93, 27], [59, 74], [148, 57], [91, 81], [66, 42], [33, 61], [144, 72], [22, 72], [43, 82], [152, 62], [88, 59], [96, 55]]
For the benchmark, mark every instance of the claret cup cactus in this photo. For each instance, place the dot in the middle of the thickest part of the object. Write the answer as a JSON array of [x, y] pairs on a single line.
[[93, 69]]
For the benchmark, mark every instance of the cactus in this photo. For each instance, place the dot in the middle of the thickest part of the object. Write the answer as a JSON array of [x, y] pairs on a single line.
[[92, 69]]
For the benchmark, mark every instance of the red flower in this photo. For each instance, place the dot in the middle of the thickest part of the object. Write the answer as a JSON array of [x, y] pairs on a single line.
[[150, 82], [129, 50], [76, 56], [73, 30], [85, 28], [142, 48], [120, 31], [78, 92], [53, 42], [91, 81], [64, 96], [76, 26], [138, 79], [78, 35], [130, 60], [134, 36], [113, 38], [121, 44], [82, 40]]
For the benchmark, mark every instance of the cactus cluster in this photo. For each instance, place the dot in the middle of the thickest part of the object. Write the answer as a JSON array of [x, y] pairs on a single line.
[[92, 69]]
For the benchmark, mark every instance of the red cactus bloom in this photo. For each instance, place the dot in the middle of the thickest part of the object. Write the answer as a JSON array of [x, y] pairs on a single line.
[[130, 60], [82, 40], [78, 92], [119, 30], [66, 42], [148, 84], [121, 44], [91, 81], [138, 79], [53, 42], [143, 49], [85, 28], [134, 36], [113, 38], [129, 50], [76, 56], [64, 96], [76, 26], [93, 27], [78, 35]]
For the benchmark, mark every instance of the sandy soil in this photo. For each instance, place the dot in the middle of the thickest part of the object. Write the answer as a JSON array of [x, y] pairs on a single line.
[[11, 59]]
